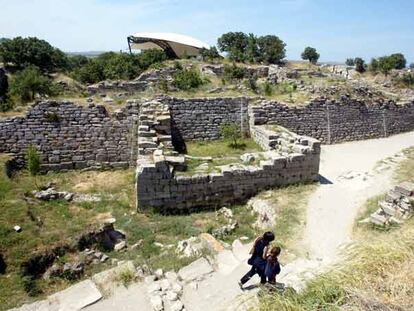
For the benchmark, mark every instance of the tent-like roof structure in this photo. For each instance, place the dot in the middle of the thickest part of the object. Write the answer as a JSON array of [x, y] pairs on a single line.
[[174, 45]]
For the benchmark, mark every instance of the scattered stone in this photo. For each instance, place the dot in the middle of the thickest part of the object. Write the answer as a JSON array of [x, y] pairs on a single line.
[[17, 228], [225, 230], [225, 212], [104, 258], [189, 248], [247, 157], [120, 246], [159, 273], [197, 269], [136, 245], [209, 242], [149, 279], [156, 303], [154, 287], [160, 245], [266, 214]]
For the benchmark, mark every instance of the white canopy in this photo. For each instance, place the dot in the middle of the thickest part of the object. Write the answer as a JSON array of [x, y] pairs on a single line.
[[173, 44]]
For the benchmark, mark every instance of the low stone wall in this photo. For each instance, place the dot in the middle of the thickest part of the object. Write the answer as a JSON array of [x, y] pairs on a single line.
[[159, 188], [337, 121], [69, 136]]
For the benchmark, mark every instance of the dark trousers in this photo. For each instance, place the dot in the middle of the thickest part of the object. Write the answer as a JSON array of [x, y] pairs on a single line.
[[252, 272]]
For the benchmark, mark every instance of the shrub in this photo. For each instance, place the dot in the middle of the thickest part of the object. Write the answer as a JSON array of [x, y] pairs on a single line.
[[406, 80], [21, 53], [52, 117], [187, 79], [310, 54], [233, 72], [232, 133], [267, 89], [359, 65], [163, 85], [30, 286], [398, 60], [5, 101], [29, 82], [33, 161], [116, 66], [350, 62], [210, 54], [252, 83]]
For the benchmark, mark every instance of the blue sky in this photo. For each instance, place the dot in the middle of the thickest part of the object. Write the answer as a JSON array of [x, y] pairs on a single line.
[[337, 29]]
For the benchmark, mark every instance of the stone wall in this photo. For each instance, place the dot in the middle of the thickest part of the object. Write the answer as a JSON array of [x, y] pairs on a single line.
[[70, 136], [201, 118], [337, 121], [292, 159]]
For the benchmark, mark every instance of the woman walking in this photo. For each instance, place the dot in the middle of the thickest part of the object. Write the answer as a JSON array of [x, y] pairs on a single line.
[[258, 258]]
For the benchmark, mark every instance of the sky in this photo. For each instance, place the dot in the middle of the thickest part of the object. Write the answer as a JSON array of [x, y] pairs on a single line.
[[338, 29]]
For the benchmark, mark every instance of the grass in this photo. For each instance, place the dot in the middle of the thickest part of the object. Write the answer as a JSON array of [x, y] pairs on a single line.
[[220, 148], [47, 224], [375, 273]]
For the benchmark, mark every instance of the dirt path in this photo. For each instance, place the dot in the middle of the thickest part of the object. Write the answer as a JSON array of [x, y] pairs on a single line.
[[351, 175]]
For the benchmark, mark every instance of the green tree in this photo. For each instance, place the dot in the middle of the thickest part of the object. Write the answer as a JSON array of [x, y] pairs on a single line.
[[271, 49], [234, 44], [187, 79], [149, 57], [359, 64], [252, 49], [310, 54], [232, 133], [77, 61], [385, 65], [33, 161], [210, 54], [20, 53], [29, 82], [373, 65], [398, 60], [350, 62]]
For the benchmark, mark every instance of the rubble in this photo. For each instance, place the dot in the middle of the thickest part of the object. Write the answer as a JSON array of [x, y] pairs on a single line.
[[397, 206]]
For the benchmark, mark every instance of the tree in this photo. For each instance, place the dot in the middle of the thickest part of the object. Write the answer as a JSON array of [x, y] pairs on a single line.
[[385, 65], [29, 82], [232, 133], [373, 65], [310, 54], [412, 66], [252, 49], [234, 44], [209, 54], [359, 64], [20, 53], [5, 101], [398, 61], [271, 49], [350, 62]]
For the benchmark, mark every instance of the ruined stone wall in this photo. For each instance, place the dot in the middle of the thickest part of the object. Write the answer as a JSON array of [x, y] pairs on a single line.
[[201, 118], [159, 188], [338, 121], [70, 136]]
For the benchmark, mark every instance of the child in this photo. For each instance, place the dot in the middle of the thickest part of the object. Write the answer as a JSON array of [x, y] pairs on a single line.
[[272, 265]]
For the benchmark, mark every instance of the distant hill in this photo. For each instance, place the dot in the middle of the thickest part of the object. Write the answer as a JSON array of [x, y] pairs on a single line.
[[86, 53]]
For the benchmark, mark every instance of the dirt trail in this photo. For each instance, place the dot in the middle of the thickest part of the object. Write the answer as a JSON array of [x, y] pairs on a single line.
[[351, 175]]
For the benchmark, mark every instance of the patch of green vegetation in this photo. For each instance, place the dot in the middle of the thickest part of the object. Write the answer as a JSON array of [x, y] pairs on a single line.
[[220, 148], [405, 169]]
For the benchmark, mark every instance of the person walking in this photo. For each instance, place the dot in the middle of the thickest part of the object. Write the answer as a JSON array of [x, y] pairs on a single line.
[[258, 258]]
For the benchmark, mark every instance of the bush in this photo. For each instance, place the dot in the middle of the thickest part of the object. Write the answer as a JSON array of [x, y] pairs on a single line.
[[267, 89], [20, 53], [350, 62], [210, 54], [29, 82], [359, 65], [233, 72], [252, 83], [232, 133], [115, 66], [386, 63], [310, 54], [406, 80], [398, 60], [187, 79], [5, 101], [33, 161]]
